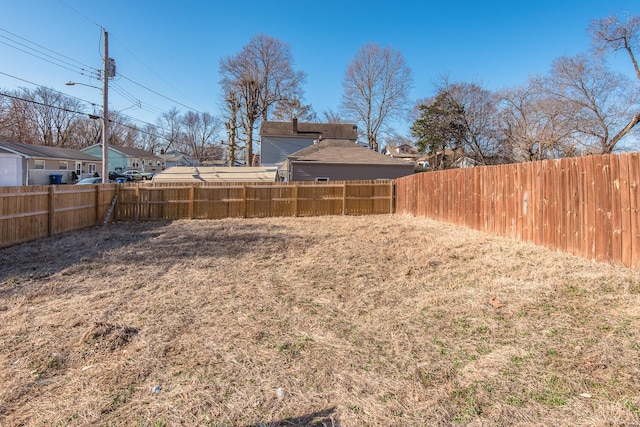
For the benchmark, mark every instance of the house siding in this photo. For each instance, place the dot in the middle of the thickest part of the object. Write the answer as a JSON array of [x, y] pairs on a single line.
[[306, 171], [116, 160], [274, 150]]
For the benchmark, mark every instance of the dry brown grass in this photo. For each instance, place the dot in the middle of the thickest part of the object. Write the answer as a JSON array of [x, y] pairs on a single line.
[[313, 321]]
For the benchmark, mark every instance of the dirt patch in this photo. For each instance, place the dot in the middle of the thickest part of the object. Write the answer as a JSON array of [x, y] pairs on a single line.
[[379, 320]]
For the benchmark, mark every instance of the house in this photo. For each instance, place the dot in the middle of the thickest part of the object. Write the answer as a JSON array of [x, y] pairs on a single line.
[[342, 160], [280, 139], [177, 158], [404, 152], [122, 159], [27, 164], [203, 174]]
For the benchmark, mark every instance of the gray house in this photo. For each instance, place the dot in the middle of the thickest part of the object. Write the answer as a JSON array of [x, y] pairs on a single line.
[[177, 158], [279, 139], [27, 164], [343, 160]]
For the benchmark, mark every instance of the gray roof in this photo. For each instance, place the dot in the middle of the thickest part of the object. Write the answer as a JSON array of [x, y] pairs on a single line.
[[130, 152], [294, 128], [46, 152], [342, 151]]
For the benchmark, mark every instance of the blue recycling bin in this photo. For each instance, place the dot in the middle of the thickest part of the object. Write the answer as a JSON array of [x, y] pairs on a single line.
[[55, 179]]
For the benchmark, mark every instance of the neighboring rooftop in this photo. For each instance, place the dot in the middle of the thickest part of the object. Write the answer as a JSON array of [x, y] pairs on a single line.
[[216, 174], [295, 128], [43, 151], [341, 151]]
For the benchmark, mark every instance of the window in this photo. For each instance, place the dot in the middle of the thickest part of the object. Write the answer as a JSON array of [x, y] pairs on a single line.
[[38, 164], [322, 178], [63, 165], [92, 168]]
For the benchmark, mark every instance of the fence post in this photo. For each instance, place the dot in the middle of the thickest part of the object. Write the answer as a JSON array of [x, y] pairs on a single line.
[[344, 197], [52, 209], [244, 200], [295, 199], [136, 214], [192, 191], [98, 188], [391, 188]]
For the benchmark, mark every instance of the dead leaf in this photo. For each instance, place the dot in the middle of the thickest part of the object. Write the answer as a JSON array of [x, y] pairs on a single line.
[[495, 303]]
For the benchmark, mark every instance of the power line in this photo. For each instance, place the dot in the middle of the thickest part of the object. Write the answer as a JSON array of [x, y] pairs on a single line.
[[80, 13], [90, 72], [149, 68], [40, 46], [47, 60], [36, 84], [75, 97], [159, 94], [43, 104], [137, 129]]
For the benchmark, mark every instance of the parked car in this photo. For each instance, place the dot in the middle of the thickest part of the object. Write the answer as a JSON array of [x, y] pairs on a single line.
[[133, 175], [139, 175], [92, 180], [120, 178]]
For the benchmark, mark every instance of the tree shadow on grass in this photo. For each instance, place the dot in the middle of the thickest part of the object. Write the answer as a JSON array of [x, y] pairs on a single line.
[[160, 243], [324, 418]]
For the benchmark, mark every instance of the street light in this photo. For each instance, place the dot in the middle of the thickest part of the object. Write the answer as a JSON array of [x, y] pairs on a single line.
[[81, 84]]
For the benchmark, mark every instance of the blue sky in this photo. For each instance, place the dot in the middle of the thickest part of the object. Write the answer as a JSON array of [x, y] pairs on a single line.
[[174, 47]]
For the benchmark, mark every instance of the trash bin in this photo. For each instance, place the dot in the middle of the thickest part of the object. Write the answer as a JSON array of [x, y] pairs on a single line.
[[55, 179]]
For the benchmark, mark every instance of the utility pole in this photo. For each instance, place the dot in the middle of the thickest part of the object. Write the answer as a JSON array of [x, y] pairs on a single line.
[[105, 110]]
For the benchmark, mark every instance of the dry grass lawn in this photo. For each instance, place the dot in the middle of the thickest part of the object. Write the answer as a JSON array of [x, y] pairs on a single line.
[[329, 321]]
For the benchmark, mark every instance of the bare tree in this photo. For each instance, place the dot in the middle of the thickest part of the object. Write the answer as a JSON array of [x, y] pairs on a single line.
[[533, 126], [52, 114], [261, 75], [273, 62], [122, 132], [331, 116], [18, 119], [600, 100], [201, 131], [376, 87], [231, 110], [612, 35], [287, 110], [151, 139], [85, 132], [171, 125]]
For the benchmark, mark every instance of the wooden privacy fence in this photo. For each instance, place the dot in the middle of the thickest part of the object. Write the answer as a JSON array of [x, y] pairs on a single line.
[[587, 206], [33, 212], [173, 201], [29, 213]]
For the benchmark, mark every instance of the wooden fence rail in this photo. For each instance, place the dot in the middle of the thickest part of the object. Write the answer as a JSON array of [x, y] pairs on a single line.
[[29, 213], [587, 206]]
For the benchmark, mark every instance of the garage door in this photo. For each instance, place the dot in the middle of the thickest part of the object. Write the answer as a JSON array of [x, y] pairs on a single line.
[[10, 171]]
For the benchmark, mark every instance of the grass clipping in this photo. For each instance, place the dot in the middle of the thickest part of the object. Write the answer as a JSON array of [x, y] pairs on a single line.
[[376, 320]]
